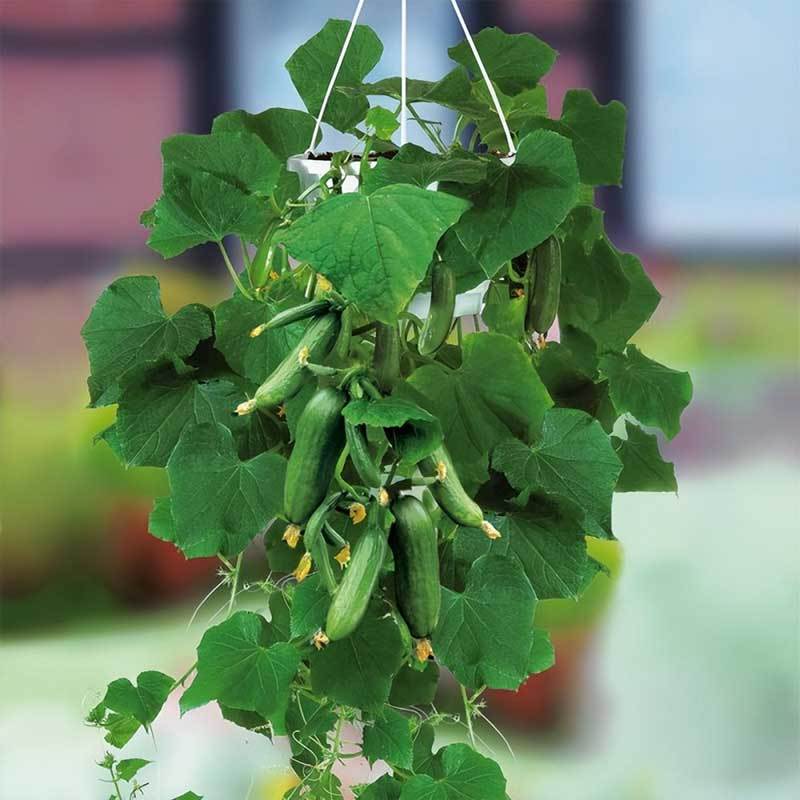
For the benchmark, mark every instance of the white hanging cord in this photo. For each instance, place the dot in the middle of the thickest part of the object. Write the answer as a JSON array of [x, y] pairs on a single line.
[[335, 75], [485, 75], [403, 71]]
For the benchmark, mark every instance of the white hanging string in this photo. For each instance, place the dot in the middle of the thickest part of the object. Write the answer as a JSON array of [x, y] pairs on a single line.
[[403, 71], [485, 75], [335, 75]]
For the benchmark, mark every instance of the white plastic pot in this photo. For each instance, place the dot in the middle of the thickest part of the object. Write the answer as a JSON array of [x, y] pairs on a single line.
[[310, 170]]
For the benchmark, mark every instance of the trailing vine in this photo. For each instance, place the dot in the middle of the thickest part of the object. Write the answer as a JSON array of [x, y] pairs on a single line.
[[421, 477]]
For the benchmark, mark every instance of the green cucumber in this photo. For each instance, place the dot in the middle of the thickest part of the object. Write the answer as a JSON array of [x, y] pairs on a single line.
[[416, 565], [319, 440], [317, 520], [545, 289], [351, 599], [289, 376], [440, 316], [451, 495], [315, 308], [360, 456], [342, 346], [386, 359], [322, 558]]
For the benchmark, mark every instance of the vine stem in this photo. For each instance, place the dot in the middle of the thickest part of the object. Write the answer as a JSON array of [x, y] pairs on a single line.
[[115, 781], [232, 270], [428, 130], [234, 584], [468, 713]]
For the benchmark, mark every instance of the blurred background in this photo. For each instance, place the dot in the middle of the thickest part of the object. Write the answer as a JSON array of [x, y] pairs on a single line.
[[675, 678]]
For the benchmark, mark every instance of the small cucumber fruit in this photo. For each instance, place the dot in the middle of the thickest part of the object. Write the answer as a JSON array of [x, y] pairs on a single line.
[[289, 376], [450, 494], [315, 308], [440, 317], [342, 347], [319, 440], [360, 456], [351, 599], [416, 565], [386, 360], [545, 290]]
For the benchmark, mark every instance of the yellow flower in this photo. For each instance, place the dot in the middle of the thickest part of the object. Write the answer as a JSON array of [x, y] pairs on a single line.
[[292, 535], [303, 568], [357, 513]]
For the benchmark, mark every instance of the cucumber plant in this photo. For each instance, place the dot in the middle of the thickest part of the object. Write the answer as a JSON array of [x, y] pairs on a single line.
[[309, 408]]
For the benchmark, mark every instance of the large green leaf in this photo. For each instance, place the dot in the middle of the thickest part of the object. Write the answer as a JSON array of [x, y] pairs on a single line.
[[285, 131], [385, 788], [156, 405], [388, 738], [419, 167], [514, 61], [643, 468], [597, 133], [241, 665], [412, 687], [240, 158], [542, 655], [654, 394], [465, 775], [546, 541], [519, 111], [311, 68], [573, 459], [413, 431], [358, 671], [200, 207], [310, 603], [253, 357], [375, 249], [484, 634], [128, 328], [518, 206], [219, 503], [495, 394]]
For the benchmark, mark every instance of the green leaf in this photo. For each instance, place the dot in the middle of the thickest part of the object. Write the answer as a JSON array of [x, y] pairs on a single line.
[[643, 468], [308, 723], [125, 707], [414, 432], [128, 767], [654, 394], [200, 208], [128, 327], [310, 603], [514, 61], [518, 206], [573, 460], [189, 796], [240, 665], [594, 285], [542, 655], [375, 249], [253, 357], [382, 122], [503, 313], [239, 158], [546, 541], [484, 634], [385, 788], [220, 503], [285, 131], [388, 738], [358, 671], [160, 523], [157, 405], [597, 133], [412, 687], [248, 720], [466, 775], [311, 67], [495, 394], [417, 166], [425, 762], [642, 300], [519, 111]]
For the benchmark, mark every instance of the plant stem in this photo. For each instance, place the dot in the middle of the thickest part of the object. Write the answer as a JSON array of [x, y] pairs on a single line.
[[115, 781], [232, 270], [468, 713], [245, 255], [234, 584], [431, 134]]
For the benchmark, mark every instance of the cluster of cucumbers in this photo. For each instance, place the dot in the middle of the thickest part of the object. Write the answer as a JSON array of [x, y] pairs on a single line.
[[324, 438]]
